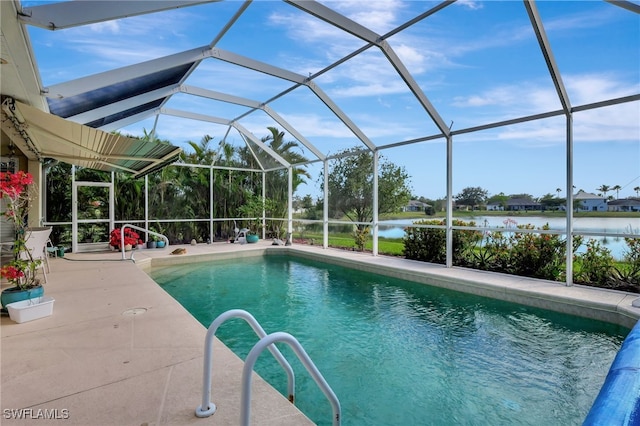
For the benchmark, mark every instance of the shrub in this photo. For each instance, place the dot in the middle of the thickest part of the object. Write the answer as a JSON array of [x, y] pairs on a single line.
[[626, 276], [464, 241], [537, 255], [492, 254], [430, 244], [425, 244], [596, 265], [530, 254], [520, 253], [360, 236]]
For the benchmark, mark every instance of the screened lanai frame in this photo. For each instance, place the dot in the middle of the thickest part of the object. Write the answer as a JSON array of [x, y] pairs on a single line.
[[171, 71]]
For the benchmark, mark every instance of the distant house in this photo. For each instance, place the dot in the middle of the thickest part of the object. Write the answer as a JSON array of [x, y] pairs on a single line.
[[587, 202], [416, 206], [495, 206], [522, 204], [624, 205]]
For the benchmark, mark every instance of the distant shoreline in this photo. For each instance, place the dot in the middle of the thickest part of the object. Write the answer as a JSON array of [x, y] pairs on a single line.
[[537, 213]]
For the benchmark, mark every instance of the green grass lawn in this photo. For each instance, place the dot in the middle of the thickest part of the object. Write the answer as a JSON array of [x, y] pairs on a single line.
[[391, 247]]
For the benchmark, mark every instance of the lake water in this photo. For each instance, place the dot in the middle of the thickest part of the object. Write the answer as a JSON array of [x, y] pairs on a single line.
[[617, 245]]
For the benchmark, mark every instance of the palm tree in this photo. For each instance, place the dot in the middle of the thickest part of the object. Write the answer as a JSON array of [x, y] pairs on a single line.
[[226, 187], [285, 150], [129, 197], [276, 182], [604, 189], [637, 189], [617, 188], [558, 190], [202, 153], [194, 184], [165, 199]]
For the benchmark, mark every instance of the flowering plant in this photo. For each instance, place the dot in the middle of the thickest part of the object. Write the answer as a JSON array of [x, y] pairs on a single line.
[[17, 190], [131, 237]]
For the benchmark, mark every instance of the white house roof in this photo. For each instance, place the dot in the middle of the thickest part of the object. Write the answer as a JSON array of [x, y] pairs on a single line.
[[582, 195]]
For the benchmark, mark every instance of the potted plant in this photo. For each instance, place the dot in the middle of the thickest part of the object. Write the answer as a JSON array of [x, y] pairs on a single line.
[[254, 227], [151, 244], [20, 272], [131, 238], [159, 242], [254, 207]]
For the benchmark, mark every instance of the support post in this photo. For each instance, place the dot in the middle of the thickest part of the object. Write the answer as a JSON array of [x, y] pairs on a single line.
[[449, 220], [569, 205], [376, 158]]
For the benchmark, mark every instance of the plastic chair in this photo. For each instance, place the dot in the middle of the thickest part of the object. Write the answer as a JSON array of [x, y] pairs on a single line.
[[51, 251], [36, 243]]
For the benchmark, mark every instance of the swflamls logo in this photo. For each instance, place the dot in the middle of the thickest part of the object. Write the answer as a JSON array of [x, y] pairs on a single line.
[[36, 413]]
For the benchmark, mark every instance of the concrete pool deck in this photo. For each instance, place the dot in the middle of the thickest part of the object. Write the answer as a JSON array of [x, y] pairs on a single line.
[[118, 350], [96, 362]]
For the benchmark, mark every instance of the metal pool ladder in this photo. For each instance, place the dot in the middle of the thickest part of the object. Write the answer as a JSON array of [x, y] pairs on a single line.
[[207, 408]]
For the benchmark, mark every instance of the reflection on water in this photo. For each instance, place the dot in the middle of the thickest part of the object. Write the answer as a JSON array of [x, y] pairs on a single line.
[[403, 353], [617, 245]]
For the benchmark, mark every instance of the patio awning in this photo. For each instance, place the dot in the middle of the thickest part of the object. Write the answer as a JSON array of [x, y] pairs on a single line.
[[50, 136]]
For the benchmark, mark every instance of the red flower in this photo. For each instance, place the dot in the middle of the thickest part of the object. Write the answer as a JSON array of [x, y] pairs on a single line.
[[10, 272], [131, 237], [12, 184]]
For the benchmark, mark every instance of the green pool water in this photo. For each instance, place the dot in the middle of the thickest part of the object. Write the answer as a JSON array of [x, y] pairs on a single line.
[[401, 353]]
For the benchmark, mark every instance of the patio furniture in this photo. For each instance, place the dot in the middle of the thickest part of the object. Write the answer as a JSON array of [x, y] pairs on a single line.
[[36, 243]]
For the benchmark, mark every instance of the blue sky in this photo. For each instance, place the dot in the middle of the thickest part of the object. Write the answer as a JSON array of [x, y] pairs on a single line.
[[477, 62]]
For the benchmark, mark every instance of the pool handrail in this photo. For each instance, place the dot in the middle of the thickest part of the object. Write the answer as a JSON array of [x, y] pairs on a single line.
[[252, 357], [128, 225], [207, 408]]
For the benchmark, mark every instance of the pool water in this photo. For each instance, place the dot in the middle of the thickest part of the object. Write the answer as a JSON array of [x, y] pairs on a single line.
[[402, 353]]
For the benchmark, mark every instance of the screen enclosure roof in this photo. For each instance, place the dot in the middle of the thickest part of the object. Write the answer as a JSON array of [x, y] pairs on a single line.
[[332, 75]]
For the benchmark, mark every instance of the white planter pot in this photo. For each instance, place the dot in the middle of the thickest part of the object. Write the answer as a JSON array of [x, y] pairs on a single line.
[[31, 309]]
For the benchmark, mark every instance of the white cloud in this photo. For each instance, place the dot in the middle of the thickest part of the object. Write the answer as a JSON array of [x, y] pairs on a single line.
[[370, 72], [115, 53], [112, 27], [371, 89], [507, 97], [536, 97], [614, 123], [411, 57], [314, 125], [130, 40], [581, 20], [315, 35], [589, 88], [379, 16], [471, 4]]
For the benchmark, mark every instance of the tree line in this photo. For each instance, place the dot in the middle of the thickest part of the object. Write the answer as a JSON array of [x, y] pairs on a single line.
[[177, 192], [184, 192], [477, 197]]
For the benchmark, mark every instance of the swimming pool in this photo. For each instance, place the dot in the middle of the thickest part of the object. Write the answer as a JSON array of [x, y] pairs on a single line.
[[402, 353]]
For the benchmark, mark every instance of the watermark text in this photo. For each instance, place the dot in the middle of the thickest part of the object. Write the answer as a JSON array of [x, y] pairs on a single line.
[[35, 413]]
